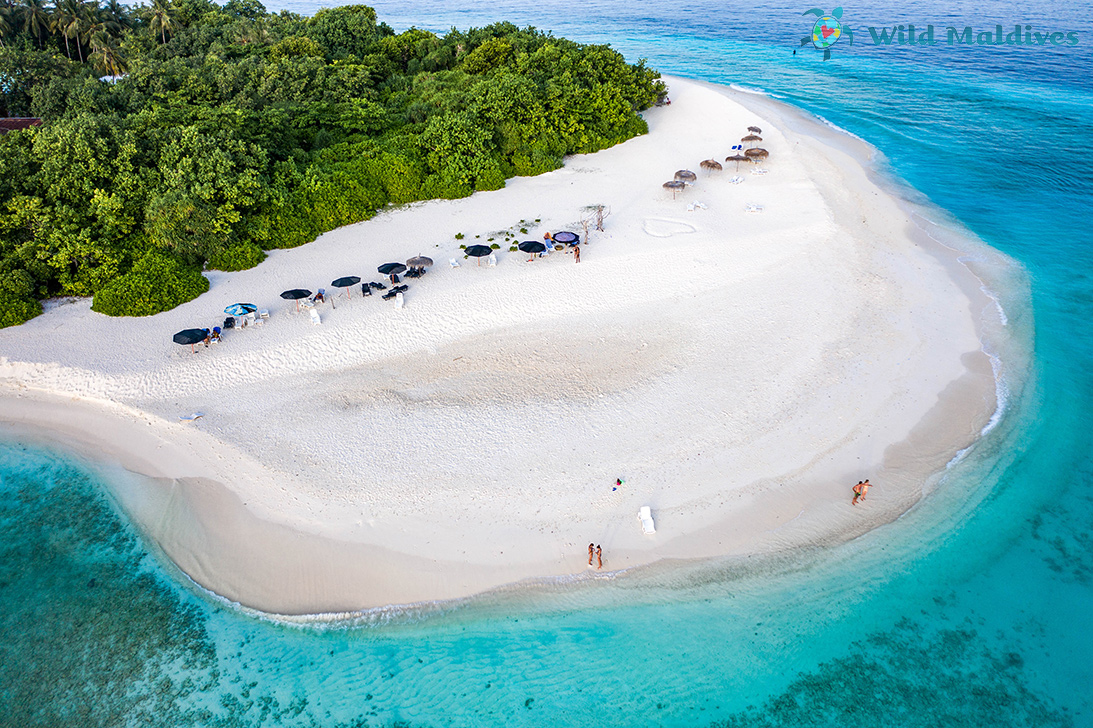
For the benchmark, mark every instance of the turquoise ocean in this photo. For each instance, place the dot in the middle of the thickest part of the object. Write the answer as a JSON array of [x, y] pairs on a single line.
[[975, 608]]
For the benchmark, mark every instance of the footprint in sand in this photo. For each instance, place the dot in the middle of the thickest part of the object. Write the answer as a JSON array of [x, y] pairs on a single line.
[[662, 227]]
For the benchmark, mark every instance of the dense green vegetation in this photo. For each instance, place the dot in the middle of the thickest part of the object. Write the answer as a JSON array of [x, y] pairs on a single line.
[[236, 131]]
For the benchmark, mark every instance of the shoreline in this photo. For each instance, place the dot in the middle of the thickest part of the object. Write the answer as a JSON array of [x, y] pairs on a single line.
[[237, 538]]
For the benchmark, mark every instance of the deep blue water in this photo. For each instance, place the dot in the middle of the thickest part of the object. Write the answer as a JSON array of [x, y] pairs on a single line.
[[974, 609]]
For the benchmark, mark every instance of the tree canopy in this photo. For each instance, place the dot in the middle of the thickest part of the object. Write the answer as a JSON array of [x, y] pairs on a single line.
[[185, 135]]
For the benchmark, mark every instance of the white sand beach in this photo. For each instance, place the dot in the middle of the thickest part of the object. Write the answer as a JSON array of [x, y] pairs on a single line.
[[739, 371]]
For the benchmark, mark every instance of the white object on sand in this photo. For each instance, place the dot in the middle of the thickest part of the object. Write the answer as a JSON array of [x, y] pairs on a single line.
[[753, 208], [736, 180], [398, 300], [492, 260], [315, 317], [192, 417], [760, 171], [453, 262], [264, 313], [646, 518]]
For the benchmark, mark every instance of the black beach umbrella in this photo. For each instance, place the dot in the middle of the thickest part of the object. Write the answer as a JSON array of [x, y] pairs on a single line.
[[711, 164], [419, 261], [738, 158], [675, 186], [345, 283], [190, 337], [531, 247], [686, 175], [391, 269], [755, 130], [756, 153], [295, 295], [567, 238], [478, 251]]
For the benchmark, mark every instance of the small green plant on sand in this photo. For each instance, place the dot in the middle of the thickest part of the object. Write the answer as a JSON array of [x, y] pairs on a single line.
[[459, 236]]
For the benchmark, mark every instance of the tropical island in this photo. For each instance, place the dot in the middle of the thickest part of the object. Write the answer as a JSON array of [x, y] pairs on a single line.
[[187, 136]]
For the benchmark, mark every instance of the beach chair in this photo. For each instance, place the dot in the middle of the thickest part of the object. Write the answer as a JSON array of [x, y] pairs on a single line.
[[248, 320], [453, 262], [736, 180], [492, 260], [398, 300], [315, 317], [264, 314], [646, 518]]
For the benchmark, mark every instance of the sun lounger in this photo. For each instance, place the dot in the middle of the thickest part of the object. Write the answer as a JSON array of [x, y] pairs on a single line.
[[390, 294], [315, 317], [646, 518], [760, 171], [248, 319], [492, 260], [263, 314], [398, 300], [453, 262]]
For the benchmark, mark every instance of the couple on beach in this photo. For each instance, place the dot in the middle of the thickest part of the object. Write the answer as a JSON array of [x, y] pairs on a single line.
[[860, 490], [596, 551]]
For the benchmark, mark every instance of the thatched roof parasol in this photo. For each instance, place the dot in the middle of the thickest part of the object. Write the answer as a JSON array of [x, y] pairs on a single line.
[[675, 186], [686, 175], [752, 138], [756, 153], [738, 158], [755, 129], [711, 164]]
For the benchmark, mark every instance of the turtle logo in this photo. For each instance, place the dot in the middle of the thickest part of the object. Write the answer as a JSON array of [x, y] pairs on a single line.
[[827, 30]]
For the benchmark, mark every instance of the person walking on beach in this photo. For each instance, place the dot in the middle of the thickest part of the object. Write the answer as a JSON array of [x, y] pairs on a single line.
[[865, 486], [591, 551], [599, 558], [857, 493], [576, 253]]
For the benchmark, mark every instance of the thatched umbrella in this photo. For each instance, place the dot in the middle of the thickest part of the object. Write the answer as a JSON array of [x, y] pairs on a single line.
[[420, 261], [756, 154], [686, 176], [752, 138], [711, 164], [738, 158], [755, 130], [675, 186]]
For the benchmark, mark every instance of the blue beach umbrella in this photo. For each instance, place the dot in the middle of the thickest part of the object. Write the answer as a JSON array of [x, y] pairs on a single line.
[[240, 309]]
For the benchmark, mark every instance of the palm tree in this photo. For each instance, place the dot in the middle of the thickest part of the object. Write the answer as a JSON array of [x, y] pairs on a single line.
[[64, 22], [105, 55], [161, 18], [6, 27], [116, 16], [35, 18]]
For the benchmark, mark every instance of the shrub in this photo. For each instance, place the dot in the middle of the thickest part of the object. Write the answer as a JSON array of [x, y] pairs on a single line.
[[14, 311], [156, 283], [237, 257]]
